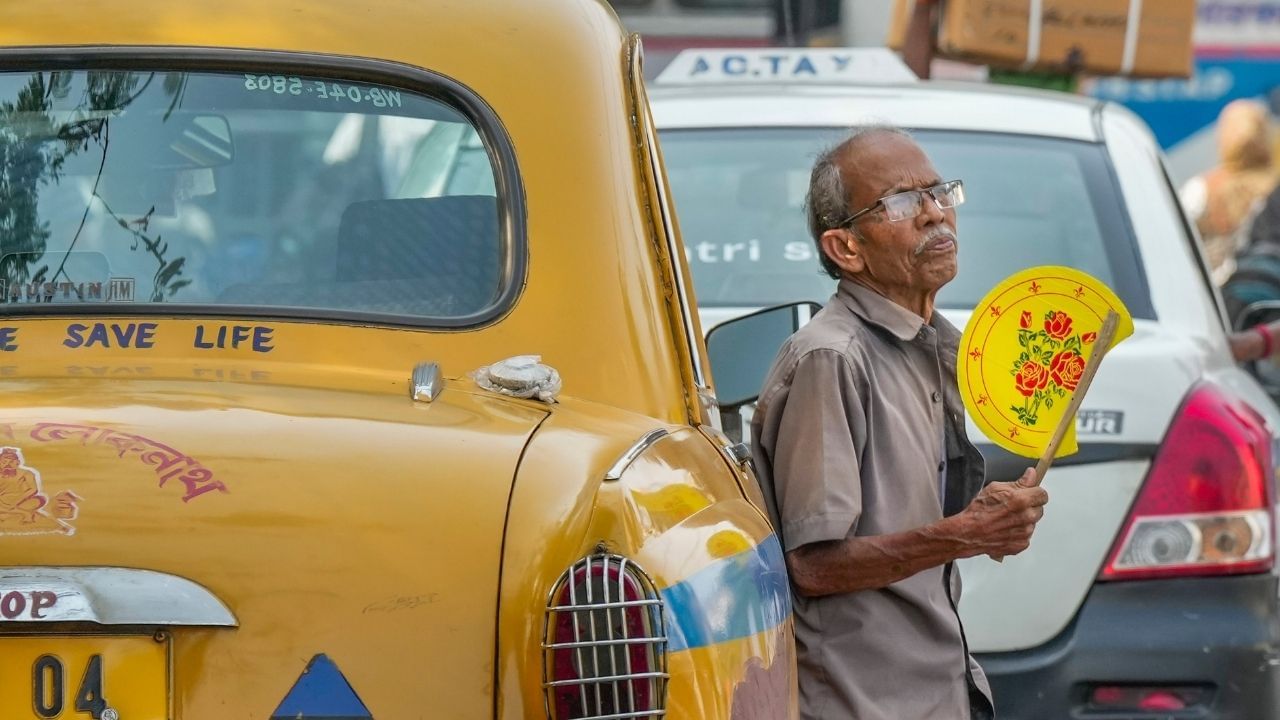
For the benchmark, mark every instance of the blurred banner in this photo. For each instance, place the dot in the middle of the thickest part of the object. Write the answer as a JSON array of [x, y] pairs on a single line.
[[1237, 55]]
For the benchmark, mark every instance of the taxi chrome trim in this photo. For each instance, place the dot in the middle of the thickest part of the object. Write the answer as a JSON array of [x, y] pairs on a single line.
[[512, 207], [633, 452], [635, 592], [425, 383], [739, 453], [110, 596], [643, 115]]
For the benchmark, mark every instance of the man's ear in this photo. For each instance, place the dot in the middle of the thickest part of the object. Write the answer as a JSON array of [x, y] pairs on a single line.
[[844, 249]]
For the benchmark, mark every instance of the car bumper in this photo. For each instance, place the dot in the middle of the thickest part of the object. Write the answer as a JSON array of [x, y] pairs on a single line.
[[1219, 634]]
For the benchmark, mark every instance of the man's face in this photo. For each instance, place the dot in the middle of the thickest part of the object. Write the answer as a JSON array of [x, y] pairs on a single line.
[[8, 462], [915, 255]]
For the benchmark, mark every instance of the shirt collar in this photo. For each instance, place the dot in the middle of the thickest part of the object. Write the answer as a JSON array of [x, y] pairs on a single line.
[[880, 310]]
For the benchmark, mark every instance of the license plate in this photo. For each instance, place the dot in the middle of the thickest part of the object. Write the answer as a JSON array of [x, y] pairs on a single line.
[[84, 678]]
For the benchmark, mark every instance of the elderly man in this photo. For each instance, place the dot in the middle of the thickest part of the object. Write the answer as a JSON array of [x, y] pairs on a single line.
[[860, 443]]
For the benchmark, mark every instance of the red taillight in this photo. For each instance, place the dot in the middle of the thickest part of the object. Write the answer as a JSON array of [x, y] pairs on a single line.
[[1147, 699], [1206, 505], [605, 643]]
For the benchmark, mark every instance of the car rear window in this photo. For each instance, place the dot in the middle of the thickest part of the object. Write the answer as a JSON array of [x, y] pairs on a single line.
[[274, 193], [739, 196]]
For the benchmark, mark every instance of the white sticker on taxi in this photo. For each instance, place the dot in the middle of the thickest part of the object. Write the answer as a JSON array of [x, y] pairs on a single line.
[[818, 65]]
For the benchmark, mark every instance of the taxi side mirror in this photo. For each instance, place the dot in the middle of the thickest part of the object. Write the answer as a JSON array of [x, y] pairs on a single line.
[[743, 349]]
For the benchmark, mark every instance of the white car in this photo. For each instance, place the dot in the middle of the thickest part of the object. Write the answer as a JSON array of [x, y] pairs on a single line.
[[1150, 588]]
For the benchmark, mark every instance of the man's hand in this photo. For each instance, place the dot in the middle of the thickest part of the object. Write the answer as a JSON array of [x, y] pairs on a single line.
[[1000, 520]]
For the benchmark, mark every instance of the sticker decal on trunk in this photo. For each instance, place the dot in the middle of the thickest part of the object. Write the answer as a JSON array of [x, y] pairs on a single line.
[[169, 464], [24, 507], [321, 692]]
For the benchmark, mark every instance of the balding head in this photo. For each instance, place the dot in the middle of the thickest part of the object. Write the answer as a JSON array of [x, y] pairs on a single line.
[[834, 180], [906, 255]]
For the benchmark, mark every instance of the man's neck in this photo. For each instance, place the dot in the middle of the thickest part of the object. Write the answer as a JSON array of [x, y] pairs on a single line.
[[917, 301]]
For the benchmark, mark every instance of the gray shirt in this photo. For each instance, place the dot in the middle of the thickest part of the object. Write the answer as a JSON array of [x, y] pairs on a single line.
[[846, 442]]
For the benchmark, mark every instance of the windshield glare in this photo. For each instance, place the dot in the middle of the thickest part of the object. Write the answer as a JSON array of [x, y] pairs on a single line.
[[1030, 201], [262, 191]]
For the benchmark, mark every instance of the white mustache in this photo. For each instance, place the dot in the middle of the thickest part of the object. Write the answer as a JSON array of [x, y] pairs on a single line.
[[934, 235]]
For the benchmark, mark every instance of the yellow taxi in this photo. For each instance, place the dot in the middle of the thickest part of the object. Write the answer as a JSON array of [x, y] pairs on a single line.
[[351, 370]]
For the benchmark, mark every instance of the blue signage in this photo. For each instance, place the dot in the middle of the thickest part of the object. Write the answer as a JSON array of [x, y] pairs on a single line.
[[321, 693], [1177, 109]]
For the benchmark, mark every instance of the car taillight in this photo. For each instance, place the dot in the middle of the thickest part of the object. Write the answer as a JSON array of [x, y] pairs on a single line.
[[1148, 699], [604, 643], [1206, 505]]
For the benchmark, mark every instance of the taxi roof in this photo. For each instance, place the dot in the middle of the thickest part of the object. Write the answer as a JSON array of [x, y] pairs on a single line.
[[810, 87], [920, 105], [379, 28]]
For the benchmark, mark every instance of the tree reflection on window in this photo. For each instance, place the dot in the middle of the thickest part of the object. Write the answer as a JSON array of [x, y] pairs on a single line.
[[35, 146]]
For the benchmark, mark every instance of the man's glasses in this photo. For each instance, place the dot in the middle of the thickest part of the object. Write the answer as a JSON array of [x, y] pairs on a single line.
[[909, 204]]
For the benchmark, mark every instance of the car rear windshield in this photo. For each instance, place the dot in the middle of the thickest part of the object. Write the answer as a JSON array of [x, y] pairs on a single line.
[[279, 194], [739, 196]]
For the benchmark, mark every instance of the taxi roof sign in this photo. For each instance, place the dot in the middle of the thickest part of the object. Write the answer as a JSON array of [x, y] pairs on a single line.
[[787, 65]]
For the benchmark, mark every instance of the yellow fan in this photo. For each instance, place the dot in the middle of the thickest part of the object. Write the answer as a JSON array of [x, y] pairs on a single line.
[[1026, 355]]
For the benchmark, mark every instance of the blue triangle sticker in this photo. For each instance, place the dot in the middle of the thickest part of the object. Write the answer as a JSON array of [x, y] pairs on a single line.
[[321, 693]]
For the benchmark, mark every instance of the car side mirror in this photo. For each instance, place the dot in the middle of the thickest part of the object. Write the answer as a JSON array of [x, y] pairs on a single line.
[[1256, 313], [743, 349]]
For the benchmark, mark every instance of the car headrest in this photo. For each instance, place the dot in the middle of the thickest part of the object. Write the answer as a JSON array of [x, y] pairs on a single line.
[[452, 243]]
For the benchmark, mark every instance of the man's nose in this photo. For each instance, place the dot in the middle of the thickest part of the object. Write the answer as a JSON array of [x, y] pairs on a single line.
[[930, 211]]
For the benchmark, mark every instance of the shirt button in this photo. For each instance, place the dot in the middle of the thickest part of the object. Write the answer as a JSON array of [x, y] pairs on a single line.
[[942, 466], [937, 396]]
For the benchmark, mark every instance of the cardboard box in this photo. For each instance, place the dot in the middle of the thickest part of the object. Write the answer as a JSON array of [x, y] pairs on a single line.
[[1092, 36]]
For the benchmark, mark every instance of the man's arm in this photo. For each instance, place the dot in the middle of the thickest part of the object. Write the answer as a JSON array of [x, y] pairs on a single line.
[[998, 522], [1256, 343], [917, 47]]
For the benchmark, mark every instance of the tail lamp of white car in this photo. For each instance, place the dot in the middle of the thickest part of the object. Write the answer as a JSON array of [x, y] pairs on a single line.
[[604, 643], [1206, 506]]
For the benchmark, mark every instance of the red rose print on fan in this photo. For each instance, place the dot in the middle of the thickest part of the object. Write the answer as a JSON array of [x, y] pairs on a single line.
[[1058, 325], [1032, 377], [1066, 369], [1050, 364]]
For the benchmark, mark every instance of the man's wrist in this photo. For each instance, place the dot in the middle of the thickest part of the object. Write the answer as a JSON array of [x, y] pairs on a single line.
[[954, 530]]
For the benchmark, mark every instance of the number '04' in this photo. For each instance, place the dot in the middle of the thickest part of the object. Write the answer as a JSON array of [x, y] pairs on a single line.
[[48, 687]]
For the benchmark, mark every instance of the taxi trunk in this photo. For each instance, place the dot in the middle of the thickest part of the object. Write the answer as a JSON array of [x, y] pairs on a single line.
[[370, 526]]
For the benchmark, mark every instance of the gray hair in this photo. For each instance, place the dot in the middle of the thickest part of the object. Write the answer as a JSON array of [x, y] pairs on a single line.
[[827, 202]]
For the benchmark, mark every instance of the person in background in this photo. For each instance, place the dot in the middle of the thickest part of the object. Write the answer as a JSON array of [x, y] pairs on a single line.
[[917, 49], [1259, 342], [1223, 199]]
